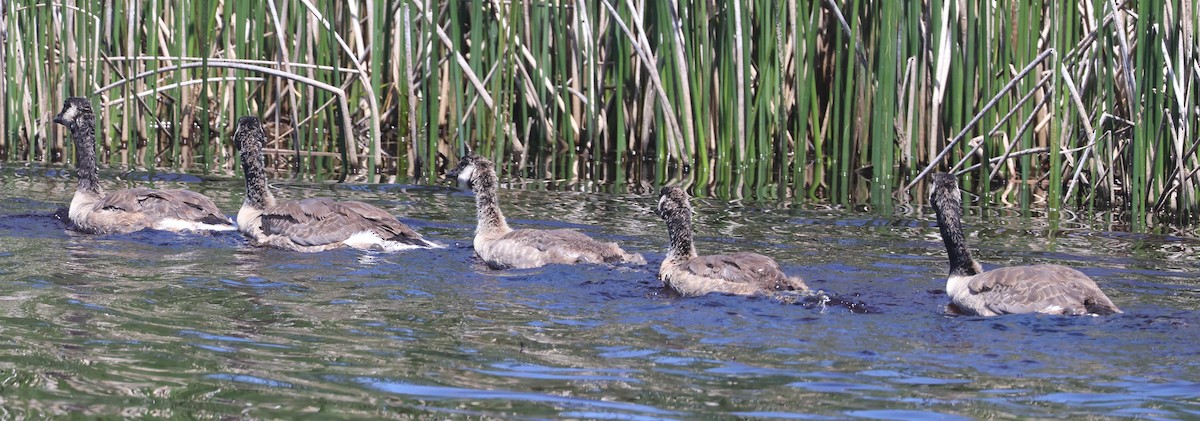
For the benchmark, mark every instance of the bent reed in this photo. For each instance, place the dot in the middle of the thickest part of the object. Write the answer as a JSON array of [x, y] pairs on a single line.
[[803, 101]]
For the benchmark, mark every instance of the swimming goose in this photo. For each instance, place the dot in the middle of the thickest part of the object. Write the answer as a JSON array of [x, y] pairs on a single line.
[[502, 247], [128, 210], [691, 275], [1051, 289], [314, 224]]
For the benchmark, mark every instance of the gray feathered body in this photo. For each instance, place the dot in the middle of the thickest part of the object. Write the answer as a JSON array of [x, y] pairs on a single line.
[[131, 210], [1052, 289], [502, 247], [689, 274], [318, 224], [530, 248], [738, 273]]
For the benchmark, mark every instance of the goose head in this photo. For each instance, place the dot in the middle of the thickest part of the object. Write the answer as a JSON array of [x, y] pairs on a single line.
[[248, 136], [474, 172], [76, 113], [673, 204], [943, 194]]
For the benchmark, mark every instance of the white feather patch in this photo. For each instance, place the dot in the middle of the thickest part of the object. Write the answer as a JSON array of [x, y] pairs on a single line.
[[464, 176], [174, 224], [957, 285], [1053, 309], [368, 240]]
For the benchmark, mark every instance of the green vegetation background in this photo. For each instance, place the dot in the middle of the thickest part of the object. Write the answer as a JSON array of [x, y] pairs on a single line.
[[1089, 105]]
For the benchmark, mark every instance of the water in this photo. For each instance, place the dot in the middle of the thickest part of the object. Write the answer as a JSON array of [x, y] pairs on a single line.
[[164, 325]]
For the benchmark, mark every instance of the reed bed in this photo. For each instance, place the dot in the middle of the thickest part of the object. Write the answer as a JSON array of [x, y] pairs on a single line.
[[1086, 106]]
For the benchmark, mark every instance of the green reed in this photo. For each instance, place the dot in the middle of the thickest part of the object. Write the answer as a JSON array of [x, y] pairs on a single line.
[[1086, 105]]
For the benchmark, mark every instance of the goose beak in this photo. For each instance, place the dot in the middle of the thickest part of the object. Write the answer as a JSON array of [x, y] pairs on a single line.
[[453, 177]]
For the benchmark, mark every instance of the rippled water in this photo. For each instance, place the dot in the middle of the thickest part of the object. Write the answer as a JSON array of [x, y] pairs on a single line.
[[158, 324]]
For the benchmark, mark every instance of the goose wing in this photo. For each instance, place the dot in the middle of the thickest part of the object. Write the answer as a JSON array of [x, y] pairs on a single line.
[[1040, 288], [155, 204], [744, 268], [562, 246], [320, 221], [548, 240]]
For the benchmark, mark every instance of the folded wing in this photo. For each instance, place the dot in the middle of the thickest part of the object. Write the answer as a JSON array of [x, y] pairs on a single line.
[[185, 205], [322, 221], [1040, 288], [743, 268], [568, 246]]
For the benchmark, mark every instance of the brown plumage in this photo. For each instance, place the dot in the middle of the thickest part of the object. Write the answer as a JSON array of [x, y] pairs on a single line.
[[314, 224], [689, 274], [502, 247], [129, 210], [1051, 289]]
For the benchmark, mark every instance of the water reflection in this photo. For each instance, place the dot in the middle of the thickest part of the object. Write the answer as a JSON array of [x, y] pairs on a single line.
[[163, 325]]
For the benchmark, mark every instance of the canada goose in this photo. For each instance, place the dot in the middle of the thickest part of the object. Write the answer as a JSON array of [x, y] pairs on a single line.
[[691, 275], [314, 224], [502, 247], [1052, 289], [128, 210]]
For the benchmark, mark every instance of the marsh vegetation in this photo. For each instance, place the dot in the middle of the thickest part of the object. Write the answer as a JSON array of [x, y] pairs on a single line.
[[1085, 106]]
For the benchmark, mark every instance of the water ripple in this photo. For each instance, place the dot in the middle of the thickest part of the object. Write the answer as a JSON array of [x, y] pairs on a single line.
[[446, 392], [162, 325]]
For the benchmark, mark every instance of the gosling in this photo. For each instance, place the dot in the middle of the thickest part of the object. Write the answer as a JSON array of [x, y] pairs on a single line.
[[1051, 289], [690, 275], [128, 210], [314, 224], [502, 247]]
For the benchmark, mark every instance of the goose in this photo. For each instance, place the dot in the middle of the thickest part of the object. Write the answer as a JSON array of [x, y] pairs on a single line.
[[1053, 289], [128, 210], [691, 275], [314, 224], [502, 247]]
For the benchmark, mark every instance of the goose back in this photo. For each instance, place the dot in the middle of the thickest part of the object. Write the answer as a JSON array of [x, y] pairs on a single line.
[[327, 223], [529, 248], [737, 273], [1053, 289], [173, 210]]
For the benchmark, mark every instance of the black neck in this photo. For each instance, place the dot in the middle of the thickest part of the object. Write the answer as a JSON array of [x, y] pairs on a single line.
[[485, 183], [257, 193], [84, 135], [679, 227], [949, 217]]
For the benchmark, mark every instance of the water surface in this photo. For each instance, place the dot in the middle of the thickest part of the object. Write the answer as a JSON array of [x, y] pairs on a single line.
[[165, 325]]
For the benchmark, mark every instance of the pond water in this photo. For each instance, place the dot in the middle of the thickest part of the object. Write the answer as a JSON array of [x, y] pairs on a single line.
[[165, 325]]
